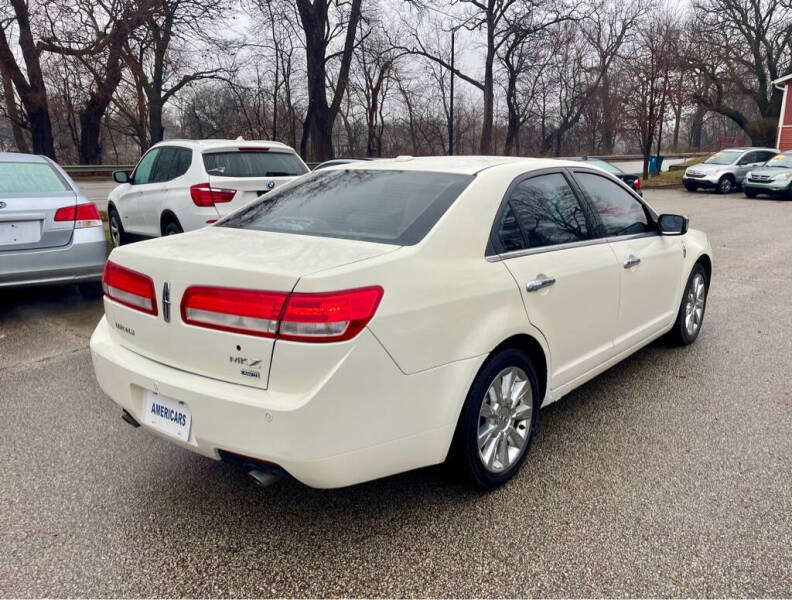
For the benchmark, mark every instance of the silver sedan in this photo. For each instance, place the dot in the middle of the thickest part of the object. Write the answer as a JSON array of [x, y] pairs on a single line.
[[49, 232]]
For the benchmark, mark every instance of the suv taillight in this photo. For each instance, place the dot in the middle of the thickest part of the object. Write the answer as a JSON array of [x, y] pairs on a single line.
[[203, 194], [302, 317], [129, 288], [83, 215], [637, 184]]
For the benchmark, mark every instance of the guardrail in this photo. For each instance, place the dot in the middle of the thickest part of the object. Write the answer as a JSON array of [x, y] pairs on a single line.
[[80, 171]]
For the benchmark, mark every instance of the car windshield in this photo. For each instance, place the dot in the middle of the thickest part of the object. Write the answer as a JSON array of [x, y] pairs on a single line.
[[783, 161], [607, 166], [30, 178], [725, 157], [391, 207], [253, 163]]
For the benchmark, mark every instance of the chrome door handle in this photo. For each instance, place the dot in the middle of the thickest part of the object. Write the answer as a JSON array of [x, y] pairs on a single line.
[[631, 261], [538, 284]]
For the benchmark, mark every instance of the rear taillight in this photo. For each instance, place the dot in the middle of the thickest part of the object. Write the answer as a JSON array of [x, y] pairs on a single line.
[[231, 309], [83, 215], [203, 194], [129, 288], [637, 184], [324, 317], [330, 317]]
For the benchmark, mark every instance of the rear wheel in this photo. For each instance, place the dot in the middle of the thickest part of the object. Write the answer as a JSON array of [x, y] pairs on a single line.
[[498, 420], [726, 185], [691, 310], [172, 228]]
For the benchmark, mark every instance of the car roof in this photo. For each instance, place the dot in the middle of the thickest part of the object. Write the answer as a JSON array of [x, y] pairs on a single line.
[[745, 149], [464, 165], [21, 157], [223, 143]]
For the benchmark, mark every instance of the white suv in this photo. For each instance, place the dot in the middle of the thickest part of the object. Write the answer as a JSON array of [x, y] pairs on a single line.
[[181, 185]]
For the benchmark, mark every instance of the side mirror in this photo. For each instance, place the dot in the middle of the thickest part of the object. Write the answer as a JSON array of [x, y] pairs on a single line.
[[122, 177], [672, 224]]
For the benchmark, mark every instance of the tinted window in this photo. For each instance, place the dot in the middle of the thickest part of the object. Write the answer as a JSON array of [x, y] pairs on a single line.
[[142, 173], [764, 156], [30, 178], [750, 157], [253, 164], [172, 163], [393, 207], [542, 211], [619, 212]]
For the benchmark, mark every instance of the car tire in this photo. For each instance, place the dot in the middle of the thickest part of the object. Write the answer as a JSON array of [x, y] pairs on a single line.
[[749, 193], [506, 427], [90, 290], [726, 185], [690, 187], [172, 228], [118, 236], [691, 308]]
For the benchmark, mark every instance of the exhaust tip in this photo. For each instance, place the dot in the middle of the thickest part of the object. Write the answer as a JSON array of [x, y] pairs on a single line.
[[262, 478], [129, 418]]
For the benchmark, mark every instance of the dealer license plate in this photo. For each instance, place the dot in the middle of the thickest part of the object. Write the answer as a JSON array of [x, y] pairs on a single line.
[[167, 415]]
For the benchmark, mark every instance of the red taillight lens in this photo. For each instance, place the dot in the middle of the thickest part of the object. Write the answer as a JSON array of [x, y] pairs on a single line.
[[329, 317], [83, 215], [325, 317], [203, 194], [637, 184], [231, 309], [129, 288]]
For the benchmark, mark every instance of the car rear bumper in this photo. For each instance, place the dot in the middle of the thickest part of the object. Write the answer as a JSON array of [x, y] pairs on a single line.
[[82, 259], [363, 421]]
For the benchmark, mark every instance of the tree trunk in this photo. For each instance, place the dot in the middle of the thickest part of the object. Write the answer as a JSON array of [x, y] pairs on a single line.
[[485, 147], [13, 114]]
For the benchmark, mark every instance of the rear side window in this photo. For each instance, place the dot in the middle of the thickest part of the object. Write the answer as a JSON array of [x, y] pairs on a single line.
[[245, 163], [30, 178], [619, 212], [541, 211], [391, 207], [172, 163]]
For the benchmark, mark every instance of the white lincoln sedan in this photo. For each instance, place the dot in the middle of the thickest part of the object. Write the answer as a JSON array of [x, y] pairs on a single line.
[[382, 316]]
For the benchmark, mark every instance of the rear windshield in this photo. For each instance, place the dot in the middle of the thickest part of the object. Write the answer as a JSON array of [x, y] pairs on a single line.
[[30, 178], [253, 164], [391, 207]]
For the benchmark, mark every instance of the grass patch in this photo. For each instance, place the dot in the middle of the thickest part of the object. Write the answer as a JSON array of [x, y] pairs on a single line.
[[103, 215]]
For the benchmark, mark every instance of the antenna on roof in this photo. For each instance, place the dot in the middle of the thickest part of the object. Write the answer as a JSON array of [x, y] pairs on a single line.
[[239, 139]]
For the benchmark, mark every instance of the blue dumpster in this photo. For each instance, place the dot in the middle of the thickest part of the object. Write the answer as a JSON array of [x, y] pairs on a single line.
[[655, 163]]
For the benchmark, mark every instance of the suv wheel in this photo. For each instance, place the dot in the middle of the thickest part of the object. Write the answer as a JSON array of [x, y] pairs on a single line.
[[117, 235], [726, 185], [172, 228], [498, 420]]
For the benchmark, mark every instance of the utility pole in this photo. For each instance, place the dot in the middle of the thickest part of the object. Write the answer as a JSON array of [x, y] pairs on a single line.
[[451, 107]]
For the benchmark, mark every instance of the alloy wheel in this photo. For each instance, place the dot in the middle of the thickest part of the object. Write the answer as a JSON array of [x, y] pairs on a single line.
[[115, 232], [694, 305], [505, 419], [725, 185]]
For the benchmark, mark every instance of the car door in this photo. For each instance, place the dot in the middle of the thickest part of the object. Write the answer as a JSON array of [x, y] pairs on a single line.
[[128, 202], [745, 163], [569, 282], [153, 195], [650, 265]]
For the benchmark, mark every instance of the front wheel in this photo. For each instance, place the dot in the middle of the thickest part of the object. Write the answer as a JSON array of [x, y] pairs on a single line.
[[117, 235], [498, 420], [691, 310]]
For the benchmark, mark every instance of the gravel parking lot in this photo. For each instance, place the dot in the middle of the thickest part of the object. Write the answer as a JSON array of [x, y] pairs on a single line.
[[669, 475]]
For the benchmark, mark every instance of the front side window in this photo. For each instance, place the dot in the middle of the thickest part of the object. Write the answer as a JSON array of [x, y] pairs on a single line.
[[30, 178], [391, 207], [143, 171], [749, 158], [253, 163], [542, 211], [619, 212]]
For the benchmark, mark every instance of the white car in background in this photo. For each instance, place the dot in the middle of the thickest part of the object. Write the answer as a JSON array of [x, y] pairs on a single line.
[[383, 316], [182, 185]]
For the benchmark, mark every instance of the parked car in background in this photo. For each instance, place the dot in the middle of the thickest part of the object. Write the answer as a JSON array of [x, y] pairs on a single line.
[[773, 178], [725, 171], [338, 161], [181, 185], [393, 314], [49, 232], [632, 180]]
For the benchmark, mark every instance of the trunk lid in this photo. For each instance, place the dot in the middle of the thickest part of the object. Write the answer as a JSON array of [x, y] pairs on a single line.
[[221, 257]]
